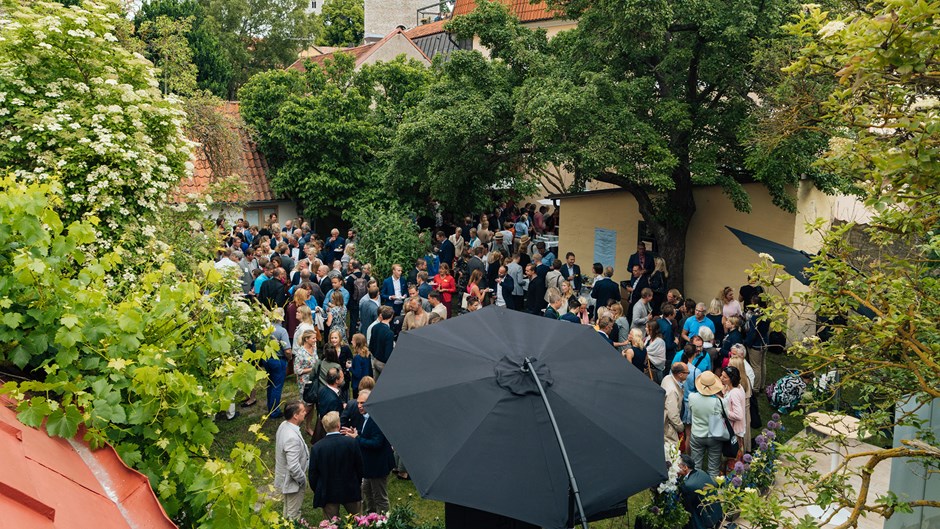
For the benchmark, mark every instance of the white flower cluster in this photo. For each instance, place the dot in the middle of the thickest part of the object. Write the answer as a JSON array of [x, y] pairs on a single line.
[[672, 482], [102, 128]]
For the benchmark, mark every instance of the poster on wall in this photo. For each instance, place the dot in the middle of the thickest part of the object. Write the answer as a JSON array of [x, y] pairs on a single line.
[[605, 246]]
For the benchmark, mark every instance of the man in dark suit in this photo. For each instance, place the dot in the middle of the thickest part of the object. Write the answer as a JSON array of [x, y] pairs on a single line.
[[329, 399], [394, 290], [382, 340], [335, 472], [476, 263], [447, 251], [691, 480], [637, 283], [605, 289], [274, 291], [535, 294], [378, 460], [503, 289], [571, 272], [642, 258], [420, 266]]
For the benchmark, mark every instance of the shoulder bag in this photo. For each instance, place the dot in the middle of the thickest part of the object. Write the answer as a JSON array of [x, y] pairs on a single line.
[[729, 448]]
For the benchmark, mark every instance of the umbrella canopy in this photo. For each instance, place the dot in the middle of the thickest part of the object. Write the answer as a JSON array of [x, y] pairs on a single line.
[[795, 262], [473, 430]]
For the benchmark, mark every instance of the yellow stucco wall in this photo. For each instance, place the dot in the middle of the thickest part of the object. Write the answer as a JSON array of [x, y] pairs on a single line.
[[714, 256], [581, 215]]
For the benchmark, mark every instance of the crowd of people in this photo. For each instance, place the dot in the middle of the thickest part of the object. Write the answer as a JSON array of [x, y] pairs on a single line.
[[337, 325]]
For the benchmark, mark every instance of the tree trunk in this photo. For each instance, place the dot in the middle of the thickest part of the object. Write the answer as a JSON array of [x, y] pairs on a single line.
[[671, 238]]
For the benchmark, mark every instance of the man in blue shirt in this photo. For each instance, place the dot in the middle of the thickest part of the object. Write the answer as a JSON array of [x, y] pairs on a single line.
[[337, 283], [692, 325], [267, 274], [522, 225]]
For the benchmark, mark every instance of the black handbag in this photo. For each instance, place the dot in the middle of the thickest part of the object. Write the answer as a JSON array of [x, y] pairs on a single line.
[[729, 448], [312, 389], [756, 421]]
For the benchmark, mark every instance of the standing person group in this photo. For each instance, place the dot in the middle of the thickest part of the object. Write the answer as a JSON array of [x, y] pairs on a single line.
[[336, 325]]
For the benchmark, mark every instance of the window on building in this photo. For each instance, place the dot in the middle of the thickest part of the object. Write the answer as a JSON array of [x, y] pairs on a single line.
[[313, 4], [259, 216]]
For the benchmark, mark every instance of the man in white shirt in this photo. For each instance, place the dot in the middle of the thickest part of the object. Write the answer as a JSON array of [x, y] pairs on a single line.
[[226, 263]]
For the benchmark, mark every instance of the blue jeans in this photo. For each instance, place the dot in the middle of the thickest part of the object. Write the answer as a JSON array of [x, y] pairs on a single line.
[[277, 372]]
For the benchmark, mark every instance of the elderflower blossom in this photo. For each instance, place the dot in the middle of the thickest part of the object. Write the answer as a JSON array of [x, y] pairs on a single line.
[[830, 29]]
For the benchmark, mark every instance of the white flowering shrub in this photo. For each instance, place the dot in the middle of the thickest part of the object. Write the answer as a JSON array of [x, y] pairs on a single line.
[[79, 109]]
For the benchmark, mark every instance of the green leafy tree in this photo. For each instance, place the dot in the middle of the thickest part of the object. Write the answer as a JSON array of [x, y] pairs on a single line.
[[343, 23], [167, 48], [655, 98], [323, 131], [460, 141], [134, 336], [144, 361], [866, 79], [261, 35], [79, 109], [386, 236], [213, 63]]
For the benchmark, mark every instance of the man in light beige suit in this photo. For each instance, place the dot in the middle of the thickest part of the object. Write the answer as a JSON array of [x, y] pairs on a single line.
[[291, 458], [672, 416]]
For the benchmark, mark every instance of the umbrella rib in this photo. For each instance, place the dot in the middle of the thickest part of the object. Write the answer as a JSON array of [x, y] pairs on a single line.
[[601, 428]]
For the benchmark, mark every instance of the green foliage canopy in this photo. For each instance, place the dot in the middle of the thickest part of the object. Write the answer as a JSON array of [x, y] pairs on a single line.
[[655, 98], [342, 23], [866, 80], [323, 130]]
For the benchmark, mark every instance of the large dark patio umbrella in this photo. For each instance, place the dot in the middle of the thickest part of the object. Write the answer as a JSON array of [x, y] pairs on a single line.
[[459, 403], [795, 262]]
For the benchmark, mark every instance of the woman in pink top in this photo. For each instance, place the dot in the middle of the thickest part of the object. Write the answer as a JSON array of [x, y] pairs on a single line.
[[735, 402], [729, 305]]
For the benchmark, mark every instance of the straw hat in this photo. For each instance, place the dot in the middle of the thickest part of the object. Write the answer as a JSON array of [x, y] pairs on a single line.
[[524, 240], [708, 384]]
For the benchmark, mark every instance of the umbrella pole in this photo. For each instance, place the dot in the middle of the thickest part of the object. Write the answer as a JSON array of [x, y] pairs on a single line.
[[527, 366]]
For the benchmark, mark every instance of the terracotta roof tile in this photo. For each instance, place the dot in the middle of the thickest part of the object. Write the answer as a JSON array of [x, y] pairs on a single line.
[[426, 29], [523, 9], [54, 483], [253, 164], [359, 53]]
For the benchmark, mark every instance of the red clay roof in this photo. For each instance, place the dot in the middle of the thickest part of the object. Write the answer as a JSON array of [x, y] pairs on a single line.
[[254, 165], [426, 29], [54, 483], [523, 9], [359, 53]]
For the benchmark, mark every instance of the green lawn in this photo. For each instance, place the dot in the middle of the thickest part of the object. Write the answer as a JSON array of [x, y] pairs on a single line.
[[404, 491]]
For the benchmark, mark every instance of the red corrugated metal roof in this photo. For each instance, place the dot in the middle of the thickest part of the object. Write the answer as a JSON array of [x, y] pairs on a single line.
[[523, 9], [54, 483], [254, 165]]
